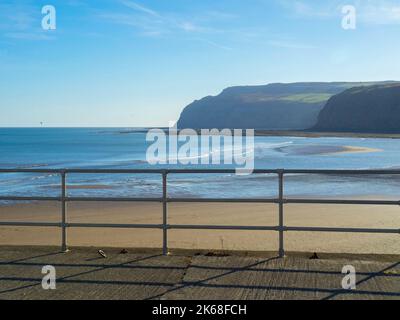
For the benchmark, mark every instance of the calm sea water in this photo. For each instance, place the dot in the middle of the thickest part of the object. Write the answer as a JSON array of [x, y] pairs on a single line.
[[120, 148]]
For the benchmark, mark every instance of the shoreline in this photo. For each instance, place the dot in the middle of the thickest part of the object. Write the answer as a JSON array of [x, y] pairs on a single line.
[[297, 133], [307, 134], [284, 133]]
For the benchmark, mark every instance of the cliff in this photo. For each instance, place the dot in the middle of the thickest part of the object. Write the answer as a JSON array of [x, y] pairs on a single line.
[[278, 106], [374, 109]]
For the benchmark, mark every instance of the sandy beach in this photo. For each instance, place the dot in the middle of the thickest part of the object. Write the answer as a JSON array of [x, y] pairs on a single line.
[[365, 216]]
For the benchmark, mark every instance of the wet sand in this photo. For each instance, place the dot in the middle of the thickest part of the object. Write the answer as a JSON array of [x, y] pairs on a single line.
[[364, 216], [351, 149], [313, 149]]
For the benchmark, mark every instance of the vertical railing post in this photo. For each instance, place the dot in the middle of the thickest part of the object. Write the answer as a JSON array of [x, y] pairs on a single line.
[[165, 213], [63, 212], [281, 219]]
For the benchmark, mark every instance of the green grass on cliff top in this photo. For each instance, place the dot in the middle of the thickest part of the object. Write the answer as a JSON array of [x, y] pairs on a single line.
[[308, 97]]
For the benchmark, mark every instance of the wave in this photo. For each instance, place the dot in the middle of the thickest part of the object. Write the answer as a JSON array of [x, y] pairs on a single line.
[[267, 145], [235, 151]]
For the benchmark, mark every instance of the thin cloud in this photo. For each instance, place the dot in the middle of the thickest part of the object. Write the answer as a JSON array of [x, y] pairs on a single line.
[[144, 24], [22, 22], [306, 9], [368, 11], [151, 23], [138, 7], [289, 45], [32, 36], [221, 15], [380, 12], [216, 45], [188, 26], [76, 3]]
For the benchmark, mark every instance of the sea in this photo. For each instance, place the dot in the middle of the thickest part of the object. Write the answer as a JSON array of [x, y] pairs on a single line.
[[125, 148]]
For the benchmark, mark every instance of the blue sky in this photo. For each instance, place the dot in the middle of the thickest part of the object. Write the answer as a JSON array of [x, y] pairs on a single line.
[[138, 63]]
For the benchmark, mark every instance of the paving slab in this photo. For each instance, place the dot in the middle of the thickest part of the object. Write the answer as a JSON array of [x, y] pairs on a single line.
[[82, 274]]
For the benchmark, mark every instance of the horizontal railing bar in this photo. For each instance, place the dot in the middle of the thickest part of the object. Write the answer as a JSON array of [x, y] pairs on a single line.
[[137, 226], [289, 171], [344, 171], [116, 199], [114, 225], [199, 227], [231, 171], [340, 201], [11, 198], [208, 227], [115, 171], [205, 200], [111, 171], [222, 200], [31, 170], [349, 230], [133, 171], [81, 199], [194, 171], [30, 224]]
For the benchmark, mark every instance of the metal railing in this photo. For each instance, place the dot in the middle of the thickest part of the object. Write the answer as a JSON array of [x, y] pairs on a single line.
[[281, 228]]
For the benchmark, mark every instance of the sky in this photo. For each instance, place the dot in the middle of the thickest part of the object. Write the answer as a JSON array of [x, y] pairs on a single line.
[[123, 63]]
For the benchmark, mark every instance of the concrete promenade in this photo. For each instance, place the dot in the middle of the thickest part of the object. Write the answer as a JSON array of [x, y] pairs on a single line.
[[83, 274]]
